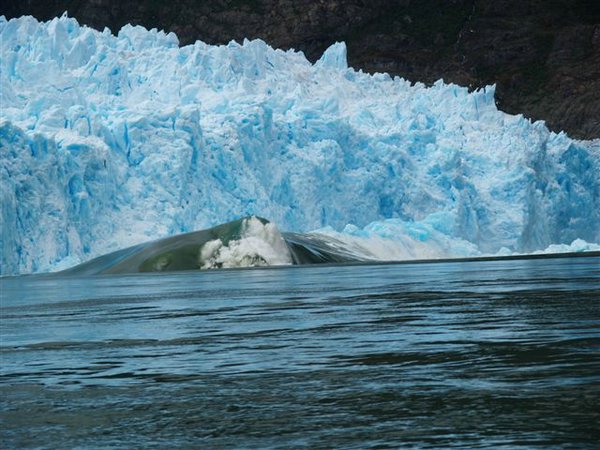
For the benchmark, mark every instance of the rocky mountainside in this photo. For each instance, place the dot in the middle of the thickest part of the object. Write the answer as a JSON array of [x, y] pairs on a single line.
[[544, 55]]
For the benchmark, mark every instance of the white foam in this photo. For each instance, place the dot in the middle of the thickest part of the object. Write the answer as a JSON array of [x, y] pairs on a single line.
[[260, 245]]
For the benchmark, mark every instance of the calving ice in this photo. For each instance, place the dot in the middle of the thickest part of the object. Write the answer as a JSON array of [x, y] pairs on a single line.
[[110, 141]]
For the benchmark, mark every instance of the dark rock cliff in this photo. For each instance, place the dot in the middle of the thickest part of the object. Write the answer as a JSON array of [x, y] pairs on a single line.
[[544, 55]]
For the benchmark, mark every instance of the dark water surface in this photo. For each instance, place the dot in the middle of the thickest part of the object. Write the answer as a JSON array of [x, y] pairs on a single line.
[[494, 354]]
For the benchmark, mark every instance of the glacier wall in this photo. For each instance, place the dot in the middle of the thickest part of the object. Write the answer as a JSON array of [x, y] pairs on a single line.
[[107, 141]]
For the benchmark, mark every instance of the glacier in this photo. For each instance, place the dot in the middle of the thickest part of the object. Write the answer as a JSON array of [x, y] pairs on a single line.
[[109, 141]]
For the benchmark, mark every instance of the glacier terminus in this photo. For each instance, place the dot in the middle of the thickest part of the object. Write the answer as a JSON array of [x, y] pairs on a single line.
[[109, 141]]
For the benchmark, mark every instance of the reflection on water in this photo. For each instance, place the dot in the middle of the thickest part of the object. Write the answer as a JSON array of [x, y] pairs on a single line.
[[496, 354]]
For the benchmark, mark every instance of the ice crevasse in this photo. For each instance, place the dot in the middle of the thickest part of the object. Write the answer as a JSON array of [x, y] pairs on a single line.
[[107, 141]]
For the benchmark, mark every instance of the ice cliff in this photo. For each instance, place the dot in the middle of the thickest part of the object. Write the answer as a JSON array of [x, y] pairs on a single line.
[[107, 141]]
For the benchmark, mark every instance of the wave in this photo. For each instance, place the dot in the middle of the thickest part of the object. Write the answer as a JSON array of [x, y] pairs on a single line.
[[254, 241], [246, 242]]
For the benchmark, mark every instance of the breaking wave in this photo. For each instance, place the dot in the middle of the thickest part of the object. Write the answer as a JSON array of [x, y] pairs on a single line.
[[254, 241]]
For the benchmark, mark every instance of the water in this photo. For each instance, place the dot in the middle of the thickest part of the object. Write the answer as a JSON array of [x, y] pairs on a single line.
[[494, 354]]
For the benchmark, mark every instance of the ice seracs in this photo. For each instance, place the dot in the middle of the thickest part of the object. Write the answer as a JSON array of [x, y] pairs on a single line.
[[107, 141], [334, 57]]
